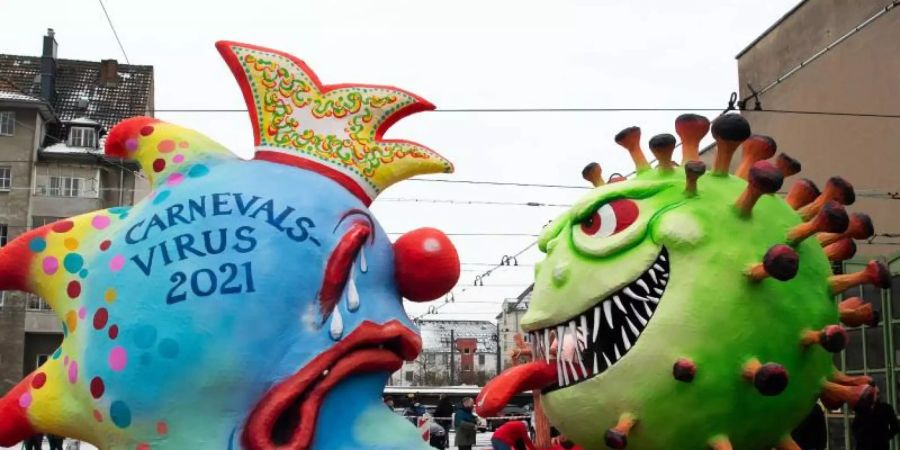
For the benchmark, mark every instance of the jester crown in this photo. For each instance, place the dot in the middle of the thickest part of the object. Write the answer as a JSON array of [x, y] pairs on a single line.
[[335, 130]]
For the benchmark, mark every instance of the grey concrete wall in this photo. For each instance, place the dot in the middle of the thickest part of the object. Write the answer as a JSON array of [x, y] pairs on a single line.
[[38, 344], [12, 340]]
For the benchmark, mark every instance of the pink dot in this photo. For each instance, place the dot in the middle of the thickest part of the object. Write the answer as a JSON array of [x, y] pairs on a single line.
[[51, 264], [66, 361], [131, 144], [166, 146], [82, 312], [25, 400], [174, 179], [117, 359], [117, 263], [178, 159], [73, 372], [100, 222]]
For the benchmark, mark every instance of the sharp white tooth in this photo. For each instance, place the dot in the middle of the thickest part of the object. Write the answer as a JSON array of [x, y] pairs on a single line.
[[607, 311], [352, 295], [571, 366], [648, 311], [559, 374], [664, 275], [633, 328], [653, 299], [658, 267], [643, 285], [618, 303], [618, 355], [638, 316], [653, 275], [658, 291], [337, 324], [627, 291], [363, 265], [573, 327], [596, 323], [596, 365], [663, 258], [608, 364], [584, 330], [546, 336], [625, 340], [561, 337]]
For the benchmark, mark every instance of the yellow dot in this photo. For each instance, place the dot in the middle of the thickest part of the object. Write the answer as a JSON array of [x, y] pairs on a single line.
[[72, 320], [110, 295], [71, 243]]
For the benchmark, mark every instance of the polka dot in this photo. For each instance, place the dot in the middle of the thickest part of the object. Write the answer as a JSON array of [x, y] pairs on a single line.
[[131, 144], [104, 246], [142, 446], [101, 317], [183, 144], [74, 289], [145, 336], [178, 159], [37, 244], [118, 359], [146, 359], [39, 380], [25, 400], [82, 313], [159, 165], [117, 263], [50, 265], [119, 209], [57, 353], [71, 243], [73, 262], [98, 416], [73, 372], [168, 348], [100, 222], [166, 146], [120, 414], [162, 428], [83, 273], [174, 179], [146, 131], [161, 196], [97, 387], [62, 227], [110, 295], [72, 320], [66, 361], [113, 332], [198, 171]]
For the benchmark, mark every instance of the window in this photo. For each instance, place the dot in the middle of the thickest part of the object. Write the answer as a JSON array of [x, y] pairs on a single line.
[[2, 299], [5, 178], [35, 303], [83, 137], [66, 186], [40, 360], [4, 230], [7, 123], [39, 221], [481, 359], [408, 376]]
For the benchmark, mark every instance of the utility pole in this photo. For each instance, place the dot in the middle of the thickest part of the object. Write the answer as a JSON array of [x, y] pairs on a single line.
[[497, 341], [452, 358]]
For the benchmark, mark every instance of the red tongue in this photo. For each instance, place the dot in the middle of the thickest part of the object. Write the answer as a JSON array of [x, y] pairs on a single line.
[[498, 391]]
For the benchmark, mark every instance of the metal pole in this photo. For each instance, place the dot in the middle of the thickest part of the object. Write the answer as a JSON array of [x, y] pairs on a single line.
[[499, 353], [452, 351]]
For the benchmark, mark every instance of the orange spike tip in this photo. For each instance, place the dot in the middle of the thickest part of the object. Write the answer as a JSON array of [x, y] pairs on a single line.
[[593, 173], [832, 338], [769, 379], [802, 193], [831, 218], [729, 131], [855, 312], [875, 273], [684, 370], [662, 146], [859, 398], [691, 128], [720, 443], [617, 436], [630, 139], [860, 228], [756, 148], [787, 165], [780, 262], [765, 178], [837, 189], [693, 170], [841, 250], [849, 380]]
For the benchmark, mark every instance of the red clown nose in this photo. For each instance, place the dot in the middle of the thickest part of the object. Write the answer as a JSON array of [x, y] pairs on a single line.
[[426, 264]]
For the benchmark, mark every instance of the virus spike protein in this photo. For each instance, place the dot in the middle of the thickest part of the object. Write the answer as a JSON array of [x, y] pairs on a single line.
[[691, 128], [662, 146], [756, 148], [630, 139], [729, 131], [593, 174]]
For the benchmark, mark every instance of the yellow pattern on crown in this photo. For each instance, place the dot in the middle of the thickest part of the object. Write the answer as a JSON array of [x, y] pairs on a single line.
[[338, 126]]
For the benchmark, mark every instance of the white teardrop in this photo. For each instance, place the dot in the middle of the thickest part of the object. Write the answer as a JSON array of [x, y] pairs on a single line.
[[352, 295], [363, 265], [337, 324]]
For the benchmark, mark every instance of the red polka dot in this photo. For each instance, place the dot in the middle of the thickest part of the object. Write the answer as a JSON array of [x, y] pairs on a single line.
[[73, 289], [105, 245], [100, 318], [97, 387], [113, 331], [166, 146], [159, 164], [62, 227], [183, 144], [39, 379], [162, 428], [97, 416], [143, 446], [147, 130]]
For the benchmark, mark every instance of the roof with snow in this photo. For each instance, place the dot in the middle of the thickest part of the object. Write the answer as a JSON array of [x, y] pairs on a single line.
[[436, 334], [9, 91]]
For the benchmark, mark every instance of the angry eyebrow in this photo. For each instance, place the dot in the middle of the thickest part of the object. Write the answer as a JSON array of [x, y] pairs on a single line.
[[634, 190]]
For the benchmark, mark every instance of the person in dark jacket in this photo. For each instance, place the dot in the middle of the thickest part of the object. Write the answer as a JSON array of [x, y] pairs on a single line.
[[874, 429], [35, 442], [811, 434], [442, 413], [465, 423]]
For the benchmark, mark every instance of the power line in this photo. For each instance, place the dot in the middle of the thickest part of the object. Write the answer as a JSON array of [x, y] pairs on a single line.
[[471, 202], [113, 28]]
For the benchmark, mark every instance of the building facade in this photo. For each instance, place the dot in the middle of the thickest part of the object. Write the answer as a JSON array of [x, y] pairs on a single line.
[[54, 114], [509, 324], [857, 72], [454, 352]]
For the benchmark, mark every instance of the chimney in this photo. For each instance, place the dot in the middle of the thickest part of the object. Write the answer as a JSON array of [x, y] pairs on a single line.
[[109, 72], [48, 66]]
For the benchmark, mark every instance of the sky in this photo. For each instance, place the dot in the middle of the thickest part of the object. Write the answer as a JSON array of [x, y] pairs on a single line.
[[461, 54]]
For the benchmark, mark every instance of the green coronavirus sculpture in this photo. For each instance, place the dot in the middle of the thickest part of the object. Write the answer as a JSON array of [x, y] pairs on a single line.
[[681, 311]]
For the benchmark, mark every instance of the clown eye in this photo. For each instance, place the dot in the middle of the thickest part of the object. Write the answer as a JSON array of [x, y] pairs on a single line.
[[610, 218]]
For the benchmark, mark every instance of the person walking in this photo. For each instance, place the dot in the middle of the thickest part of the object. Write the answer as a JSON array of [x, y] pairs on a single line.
[[465, 424], [442, 414], [812, 434], [437, 435], [873, 429], [56, 442], [35, 442], [512, 435]]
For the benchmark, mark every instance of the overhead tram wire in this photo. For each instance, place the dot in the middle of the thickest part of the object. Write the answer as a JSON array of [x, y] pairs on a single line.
[[113, 28]]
